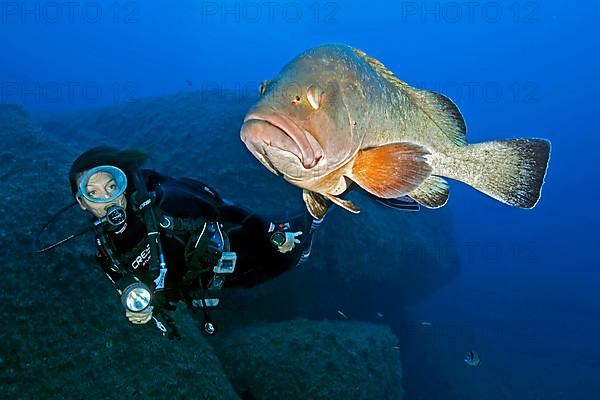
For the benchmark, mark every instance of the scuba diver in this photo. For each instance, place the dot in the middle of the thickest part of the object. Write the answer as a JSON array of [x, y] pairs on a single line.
[[162, 240]]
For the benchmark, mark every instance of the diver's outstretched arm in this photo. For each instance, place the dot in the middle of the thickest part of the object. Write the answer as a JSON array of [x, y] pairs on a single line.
[[266, 249]]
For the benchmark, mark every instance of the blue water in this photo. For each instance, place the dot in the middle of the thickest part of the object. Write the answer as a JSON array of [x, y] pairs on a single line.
[[529, 279]]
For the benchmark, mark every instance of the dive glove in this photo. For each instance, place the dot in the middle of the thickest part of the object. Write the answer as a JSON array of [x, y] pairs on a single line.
[[285, 241]]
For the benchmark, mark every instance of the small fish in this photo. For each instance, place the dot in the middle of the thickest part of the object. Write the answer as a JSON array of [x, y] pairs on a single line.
[[342, 314], [396, 347], [380, 315], [189, 82], [425, 323], [472, 359]]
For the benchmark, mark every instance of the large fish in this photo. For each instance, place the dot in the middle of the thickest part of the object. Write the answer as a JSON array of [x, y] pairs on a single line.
[[334, 116]]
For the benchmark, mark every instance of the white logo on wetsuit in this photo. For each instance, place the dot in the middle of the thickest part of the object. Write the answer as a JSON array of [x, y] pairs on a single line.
[[141, 259]]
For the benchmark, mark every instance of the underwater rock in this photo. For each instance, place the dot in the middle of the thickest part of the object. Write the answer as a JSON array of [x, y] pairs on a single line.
[[67, 335], [33, 170], [71, 340], [304, 359]]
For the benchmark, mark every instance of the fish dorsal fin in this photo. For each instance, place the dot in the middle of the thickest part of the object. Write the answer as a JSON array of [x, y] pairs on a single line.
[[315, 203], [432, 193], [443, 112], [382, 70], [439, 108]]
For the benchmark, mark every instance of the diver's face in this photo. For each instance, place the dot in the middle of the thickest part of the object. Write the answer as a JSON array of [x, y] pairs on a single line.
[[100, 185]]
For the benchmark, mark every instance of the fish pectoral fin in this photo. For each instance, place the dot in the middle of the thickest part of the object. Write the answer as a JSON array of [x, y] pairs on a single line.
[[345, 204], [315, 203], [392, 170], [432, 193]]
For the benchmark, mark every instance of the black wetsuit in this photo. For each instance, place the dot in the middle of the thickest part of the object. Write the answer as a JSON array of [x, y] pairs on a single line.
[[258, 260]]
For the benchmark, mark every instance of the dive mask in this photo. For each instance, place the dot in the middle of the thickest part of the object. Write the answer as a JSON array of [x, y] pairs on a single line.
[[102, 184]]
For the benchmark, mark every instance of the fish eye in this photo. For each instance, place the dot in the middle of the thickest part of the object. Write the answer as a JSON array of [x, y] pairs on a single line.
[[315, 95], [263, 87]]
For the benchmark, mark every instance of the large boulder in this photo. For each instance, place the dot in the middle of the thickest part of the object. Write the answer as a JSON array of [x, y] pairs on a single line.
[[303, 359], [64, 333]]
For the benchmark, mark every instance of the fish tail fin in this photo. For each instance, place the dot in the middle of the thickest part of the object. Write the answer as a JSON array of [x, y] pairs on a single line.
[[511, 171]]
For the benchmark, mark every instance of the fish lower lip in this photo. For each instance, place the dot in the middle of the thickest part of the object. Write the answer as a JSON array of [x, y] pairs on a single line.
[[286, 143], [309, 150]]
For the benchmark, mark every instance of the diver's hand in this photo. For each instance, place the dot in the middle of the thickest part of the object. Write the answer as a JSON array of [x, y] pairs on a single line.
[[291, 239], [141, 317]]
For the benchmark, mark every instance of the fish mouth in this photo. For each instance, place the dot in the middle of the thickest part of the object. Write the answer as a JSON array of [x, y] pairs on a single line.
[[276, 130]]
